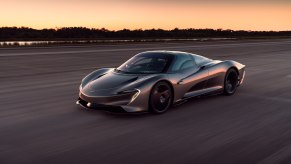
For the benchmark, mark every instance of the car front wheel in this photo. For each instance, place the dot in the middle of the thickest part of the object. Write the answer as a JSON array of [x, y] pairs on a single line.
[[160, 98]]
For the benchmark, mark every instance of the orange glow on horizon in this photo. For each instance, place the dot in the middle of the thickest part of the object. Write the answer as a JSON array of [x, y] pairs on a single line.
[[115, 15]]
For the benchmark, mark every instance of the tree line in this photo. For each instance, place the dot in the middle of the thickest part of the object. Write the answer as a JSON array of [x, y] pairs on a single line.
[[75, 33]]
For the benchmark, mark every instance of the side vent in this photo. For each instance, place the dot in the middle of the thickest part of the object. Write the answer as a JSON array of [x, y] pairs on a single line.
[[99, 76]]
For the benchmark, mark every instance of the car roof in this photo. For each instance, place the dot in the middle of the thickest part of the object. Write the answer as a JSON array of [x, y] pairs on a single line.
[[166, 52], [175, 53]]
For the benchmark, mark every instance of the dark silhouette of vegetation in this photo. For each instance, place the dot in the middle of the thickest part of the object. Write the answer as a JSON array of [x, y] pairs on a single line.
[[82, 33]]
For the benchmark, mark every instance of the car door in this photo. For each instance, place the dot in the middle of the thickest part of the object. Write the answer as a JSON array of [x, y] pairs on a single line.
[[189, 77], [196, 82]]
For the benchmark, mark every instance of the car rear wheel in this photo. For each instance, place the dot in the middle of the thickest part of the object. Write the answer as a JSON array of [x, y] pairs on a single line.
[[161, 98], [230, 82]]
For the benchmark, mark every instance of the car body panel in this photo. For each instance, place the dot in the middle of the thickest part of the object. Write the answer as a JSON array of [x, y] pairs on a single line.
[[108, 87]]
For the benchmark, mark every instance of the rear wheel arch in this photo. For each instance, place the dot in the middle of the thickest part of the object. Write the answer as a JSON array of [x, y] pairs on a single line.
[[233, 67]]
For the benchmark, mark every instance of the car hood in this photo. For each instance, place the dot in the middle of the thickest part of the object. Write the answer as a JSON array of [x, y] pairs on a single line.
[[110, 83]]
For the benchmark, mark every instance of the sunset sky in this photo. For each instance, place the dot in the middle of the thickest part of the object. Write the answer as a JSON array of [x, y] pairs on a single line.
[[147, 14]]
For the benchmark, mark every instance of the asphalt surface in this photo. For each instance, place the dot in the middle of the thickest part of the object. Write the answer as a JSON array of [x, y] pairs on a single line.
[[40, 122]]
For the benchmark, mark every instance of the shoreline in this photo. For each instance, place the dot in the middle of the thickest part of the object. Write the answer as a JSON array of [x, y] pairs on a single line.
[[80, 42]]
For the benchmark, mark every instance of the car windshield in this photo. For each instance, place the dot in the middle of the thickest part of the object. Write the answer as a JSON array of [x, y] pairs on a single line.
[[145, 64]]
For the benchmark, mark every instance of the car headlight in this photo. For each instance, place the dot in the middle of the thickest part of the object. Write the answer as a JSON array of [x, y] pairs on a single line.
[[134, 92], [128, 91]]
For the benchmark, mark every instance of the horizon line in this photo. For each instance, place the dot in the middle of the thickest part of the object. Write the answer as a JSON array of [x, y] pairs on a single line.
[[142, 29]]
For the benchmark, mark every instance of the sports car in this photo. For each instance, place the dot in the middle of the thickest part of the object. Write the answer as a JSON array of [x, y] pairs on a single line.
[[155, 80]]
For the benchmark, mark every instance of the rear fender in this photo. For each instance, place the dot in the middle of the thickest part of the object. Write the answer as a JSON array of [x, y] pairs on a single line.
[[217, 72]]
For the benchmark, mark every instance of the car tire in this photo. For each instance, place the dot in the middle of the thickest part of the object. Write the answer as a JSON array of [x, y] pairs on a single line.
[[230, 82], [161, 98]]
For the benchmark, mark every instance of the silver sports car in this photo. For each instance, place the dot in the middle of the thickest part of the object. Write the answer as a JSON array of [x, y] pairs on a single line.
[[155, 80]]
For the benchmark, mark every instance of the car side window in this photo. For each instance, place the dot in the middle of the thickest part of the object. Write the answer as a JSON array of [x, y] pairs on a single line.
[[200, 60], [182, 62]]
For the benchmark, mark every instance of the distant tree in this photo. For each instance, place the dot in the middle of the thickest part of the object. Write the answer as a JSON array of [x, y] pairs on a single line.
[[75, 33]]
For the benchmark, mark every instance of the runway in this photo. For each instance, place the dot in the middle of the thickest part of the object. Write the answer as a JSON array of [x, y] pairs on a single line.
[[40, 122]]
